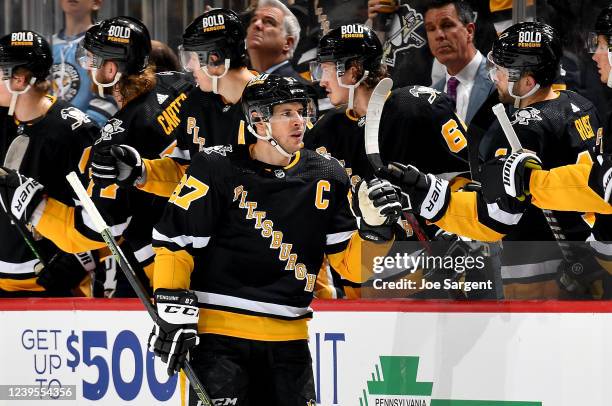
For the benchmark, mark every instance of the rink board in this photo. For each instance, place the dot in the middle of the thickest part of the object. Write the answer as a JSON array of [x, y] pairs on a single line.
[[364, 353]]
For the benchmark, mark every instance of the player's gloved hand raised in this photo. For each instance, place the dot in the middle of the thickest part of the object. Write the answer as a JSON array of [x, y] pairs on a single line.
[[19, 194], [176, 331], [120, 164], [426, 194], [508, 176], [377, 208]]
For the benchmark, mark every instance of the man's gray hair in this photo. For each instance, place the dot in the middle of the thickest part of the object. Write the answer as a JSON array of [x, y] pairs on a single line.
[[291, 24]]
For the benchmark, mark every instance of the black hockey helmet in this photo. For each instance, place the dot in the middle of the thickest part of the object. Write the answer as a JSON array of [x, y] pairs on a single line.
[[26, 49], [528, 47], [265, 91], [219, 34], [603, 26], [346, 43], [124, 40]]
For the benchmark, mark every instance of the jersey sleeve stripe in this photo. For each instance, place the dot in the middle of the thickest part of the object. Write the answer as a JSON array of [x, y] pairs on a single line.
[[116, 229], [497, 214], [182, 154], [336, 238], [270, 309], [513, 272], [602, 248], [181, 240], [144, 253], [18, 269]]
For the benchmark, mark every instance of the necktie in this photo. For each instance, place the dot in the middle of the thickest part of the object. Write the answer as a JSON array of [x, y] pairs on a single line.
[[451, 88]]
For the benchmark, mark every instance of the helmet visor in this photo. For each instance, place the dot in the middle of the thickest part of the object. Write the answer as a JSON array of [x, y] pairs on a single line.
[[195, 60], [86, 59], [6, 72], [285, 113], [496, 71], [322, 70], [597, 43]]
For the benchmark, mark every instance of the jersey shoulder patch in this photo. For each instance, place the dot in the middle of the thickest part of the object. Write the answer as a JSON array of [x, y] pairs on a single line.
[[526, 115]]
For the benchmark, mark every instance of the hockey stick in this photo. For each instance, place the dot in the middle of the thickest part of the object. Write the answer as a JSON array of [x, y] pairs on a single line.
[[23, 231], [372, 148], [127, 269], [515, 144]]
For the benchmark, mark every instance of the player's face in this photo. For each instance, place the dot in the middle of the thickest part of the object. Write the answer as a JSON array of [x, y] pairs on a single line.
[[214, 69], [500, 78], [288, 125], [337, 94], [601, 58]]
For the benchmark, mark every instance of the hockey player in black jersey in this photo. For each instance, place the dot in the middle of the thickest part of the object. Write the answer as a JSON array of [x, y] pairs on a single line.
[[415, 119], [260, 218], [116, 53], [584, 186], [417, 122], [213, 50], [43, 138], [557, 126]]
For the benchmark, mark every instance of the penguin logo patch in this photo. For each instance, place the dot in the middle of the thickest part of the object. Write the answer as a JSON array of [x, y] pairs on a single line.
[[526, 115], [112, 127], [77, 115]]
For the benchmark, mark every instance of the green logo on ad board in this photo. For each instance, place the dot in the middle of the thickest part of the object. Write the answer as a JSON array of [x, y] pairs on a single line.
[[395, 384]]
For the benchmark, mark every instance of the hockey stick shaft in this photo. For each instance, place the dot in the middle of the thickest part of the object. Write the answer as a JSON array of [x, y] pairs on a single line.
[[515, 144], [372, 147], [127, 269]]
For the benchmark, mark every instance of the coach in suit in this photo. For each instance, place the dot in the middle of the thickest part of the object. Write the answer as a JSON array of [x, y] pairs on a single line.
[[450, 34]]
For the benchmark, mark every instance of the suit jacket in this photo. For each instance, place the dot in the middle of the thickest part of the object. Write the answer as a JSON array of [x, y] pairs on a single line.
[[481, 90]]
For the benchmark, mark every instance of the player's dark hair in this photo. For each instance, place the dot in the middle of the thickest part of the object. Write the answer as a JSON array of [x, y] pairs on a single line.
[[464, 10]]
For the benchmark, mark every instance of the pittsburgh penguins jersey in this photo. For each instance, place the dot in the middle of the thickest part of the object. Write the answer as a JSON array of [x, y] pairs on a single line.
[[148, 124], [46, 149], [340, 134], [558, 131], [419, 123], [260, 233], [206, 120]]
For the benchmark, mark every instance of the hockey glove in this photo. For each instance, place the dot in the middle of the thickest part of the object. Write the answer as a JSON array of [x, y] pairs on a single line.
[[120, 164], [377, 208], [508, 175], [65, 272], [176, 331], [426, 194], [19, 194]]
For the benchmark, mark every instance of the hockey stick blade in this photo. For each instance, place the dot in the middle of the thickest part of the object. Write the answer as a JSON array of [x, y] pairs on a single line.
[[127, 269], [372, 124]]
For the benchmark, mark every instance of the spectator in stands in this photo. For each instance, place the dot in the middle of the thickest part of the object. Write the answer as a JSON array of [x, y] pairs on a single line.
[[163, 57], [272, 36], [70, 81], [450, 33]]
